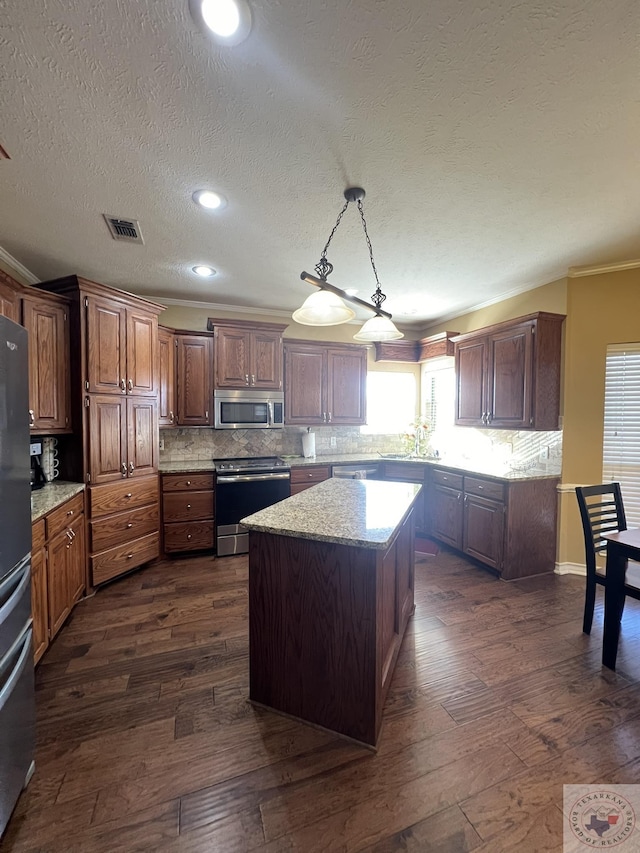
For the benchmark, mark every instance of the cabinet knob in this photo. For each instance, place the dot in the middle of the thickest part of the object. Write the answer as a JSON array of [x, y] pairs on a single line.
[[246, 379], [128, 495], [124, 469], [188, 536], [70, 512], [130, 525], [188, 506], [310, 474], [129, 556], [123, 387], [188, 482]]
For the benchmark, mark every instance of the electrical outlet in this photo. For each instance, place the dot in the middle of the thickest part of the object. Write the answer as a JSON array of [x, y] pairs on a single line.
[[544, 453], [333, 441], [162, 444]]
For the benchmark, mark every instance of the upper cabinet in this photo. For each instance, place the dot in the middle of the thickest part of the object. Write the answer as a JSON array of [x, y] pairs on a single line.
[[194, 367], [167, 377], [508, 375], [121, 356], [247, 354], [325, 384], [10, 291], [46, 319]]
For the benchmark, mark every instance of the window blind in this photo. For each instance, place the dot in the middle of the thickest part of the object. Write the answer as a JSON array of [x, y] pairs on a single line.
[[621, 447]]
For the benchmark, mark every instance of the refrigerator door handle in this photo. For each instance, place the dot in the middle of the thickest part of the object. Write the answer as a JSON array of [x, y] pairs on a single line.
[[22, 661], [13, 587]]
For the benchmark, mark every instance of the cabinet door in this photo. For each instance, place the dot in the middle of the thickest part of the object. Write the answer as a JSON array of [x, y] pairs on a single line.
[[266, 360], [107, 438], [304, 399], [58, 581], [39, 603], [194, 373], [346, 386], [48, 365], [9, 299], [142, 441], [77, 560], [142, 352], [167, 378], [447, 515], [106, 346], [471, 382], [510, 377], [484, 530], [232, 364]]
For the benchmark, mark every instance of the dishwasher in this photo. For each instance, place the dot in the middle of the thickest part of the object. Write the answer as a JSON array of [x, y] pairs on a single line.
[[356, 472]]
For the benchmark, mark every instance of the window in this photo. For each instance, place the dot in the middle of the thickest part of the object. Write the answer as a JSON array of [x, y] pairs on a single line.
[[391, 402], [621, 447], [438, 398]]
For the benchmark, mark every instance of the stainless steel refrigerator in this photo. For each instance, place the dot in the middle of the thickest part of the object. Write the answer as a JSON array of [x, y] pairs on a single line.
[[17, 697]]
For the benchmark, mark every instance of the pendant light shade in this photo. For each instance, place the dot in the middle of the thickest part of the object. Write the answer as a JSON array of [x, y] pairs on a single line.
[[323, 308], [327, 306], [378, 328]]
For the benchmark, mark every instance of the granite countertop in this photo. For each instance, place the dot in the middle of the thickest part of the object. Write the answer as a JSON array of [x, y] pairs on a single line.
[[485, 468], [349, 512], [51, 496]]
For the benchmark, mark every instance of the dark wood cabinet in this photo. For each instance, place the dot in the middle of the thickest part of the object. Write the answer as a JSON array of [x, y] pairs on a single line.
[[188, 512], [10, 291], [247, 354], [507, 525], [166, 378], [325, 384], [194, 370], [305, 476], [39, 596], [508, 375], [46, 319]]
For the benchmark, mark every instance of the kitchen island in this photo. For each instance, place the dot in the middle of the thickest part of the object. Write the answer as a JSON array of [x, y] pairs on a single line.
[[330, 594]]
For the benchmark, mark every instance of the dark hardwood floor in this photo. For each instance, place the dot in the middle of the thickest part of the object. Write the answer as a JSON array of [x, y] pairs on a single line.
[[146, 741]]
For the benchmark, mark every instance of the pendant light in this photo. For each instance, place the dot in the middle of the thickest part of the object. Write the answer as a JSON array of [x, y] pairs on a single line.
[[327, 307]]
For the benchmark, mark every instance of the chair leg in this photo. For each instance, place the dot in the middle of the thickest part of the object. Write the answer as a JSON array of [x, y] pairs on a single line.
[[589, 604]]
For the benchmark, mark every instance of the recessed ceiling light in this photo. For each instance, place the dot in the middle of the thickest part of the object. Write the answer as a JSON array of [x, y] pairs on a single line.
[[227, 22], [205, 272], [351, 291], [209, 199]]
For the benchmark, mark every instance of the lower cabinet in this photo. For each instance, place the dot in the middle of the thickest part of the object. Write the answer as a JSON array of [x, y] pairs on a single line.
[[508, 525], [305, 476], [187, 512], [58, 569], [124, 527]]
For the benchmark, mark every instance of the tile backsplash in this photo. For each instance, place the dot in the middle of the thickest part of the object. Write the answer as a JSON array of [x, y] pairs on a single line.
[[519, 450]]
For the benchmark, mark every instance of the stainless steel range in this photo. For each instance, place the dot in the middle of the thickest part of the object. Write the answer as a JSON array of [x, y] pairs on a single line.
[[245, 485]]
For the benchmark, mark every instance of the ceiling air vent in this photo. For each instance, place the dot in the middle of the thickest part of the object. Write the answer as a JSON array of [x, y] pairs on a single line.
[[127, 230]]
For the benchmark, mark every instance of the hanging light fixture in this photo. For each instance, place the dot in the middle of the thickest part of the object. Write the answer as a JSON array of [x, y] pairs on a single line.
[[327, 307]]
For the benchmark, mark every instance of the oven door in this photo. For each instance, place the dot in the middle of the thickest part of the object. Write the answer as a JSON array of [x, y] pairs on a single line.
[[239, 495]]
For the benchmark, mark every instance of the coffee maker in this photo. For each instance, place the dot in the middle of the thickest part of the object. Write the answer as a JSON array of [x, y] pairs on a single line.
[[37, 474]]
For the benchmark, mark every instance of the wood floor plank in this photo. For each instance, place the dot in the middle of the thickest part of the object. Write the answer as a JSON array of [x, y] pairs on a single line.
[[147, 740]]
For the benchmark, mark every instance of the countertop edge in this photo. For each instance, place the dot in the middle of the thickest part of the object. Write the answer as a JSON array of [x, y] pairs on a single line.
[[51, 496]]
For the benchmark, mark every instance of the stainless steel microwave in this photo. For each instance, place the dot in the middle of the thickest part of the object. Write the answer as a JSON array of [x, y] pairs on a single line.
[[248, 409]]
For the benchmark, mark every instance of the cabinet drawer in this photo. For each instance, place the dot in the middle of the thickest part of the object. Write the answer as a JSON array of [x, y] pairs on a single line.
[[187, 506], [182, 482], [296, 488], [116, 561], [188, 536], [484, 488], [128, 494], [123, 527], [446, 478], [404, 471], [37, 534], [310, 475], [62, 516]]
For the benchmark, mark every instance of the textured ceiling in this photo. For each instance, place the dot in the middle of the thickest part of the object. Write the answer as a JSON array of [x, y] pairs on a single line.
[[497, 143]]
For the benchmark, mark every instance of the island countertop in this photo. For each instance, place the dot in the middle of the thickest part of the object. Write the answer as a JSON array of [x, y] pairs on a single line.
[[347, 512]]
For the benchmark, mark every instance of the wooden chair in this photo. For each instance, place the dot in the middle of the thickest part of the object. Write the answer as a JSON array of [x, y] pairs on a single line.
[[602, 511]]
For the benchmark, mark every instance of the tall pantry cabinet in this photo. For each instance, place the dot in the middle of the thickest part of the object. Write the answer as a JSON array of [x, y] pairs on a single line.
[[114, 381]]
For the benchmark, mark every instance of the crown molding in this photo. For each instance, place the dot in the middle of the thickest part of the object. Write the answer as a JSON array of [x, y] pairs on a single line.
[[22, 271], [217, 306], [599, 269]]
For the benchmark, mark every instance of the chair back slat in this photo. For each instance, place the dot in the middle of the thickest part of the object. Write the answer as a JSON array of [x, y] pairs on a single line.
[[602, 512]]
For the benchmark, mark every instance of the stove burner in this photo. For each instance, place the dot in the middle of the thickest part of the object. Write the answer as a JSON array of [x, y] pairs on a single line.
[[251, 463]]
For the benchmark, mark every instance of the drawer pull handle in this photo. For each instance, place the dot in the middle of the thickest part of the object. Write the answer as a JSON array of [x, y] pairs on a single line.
[[128, 495], [123, 387], [130, 384], [131, 466], [129, 556], [130, 525], [32, 417], [124, 469]]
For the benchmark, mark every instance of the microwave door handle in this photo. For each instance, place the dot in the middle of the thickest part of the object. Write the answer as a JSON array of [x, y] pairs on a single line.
[[270, 413]]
